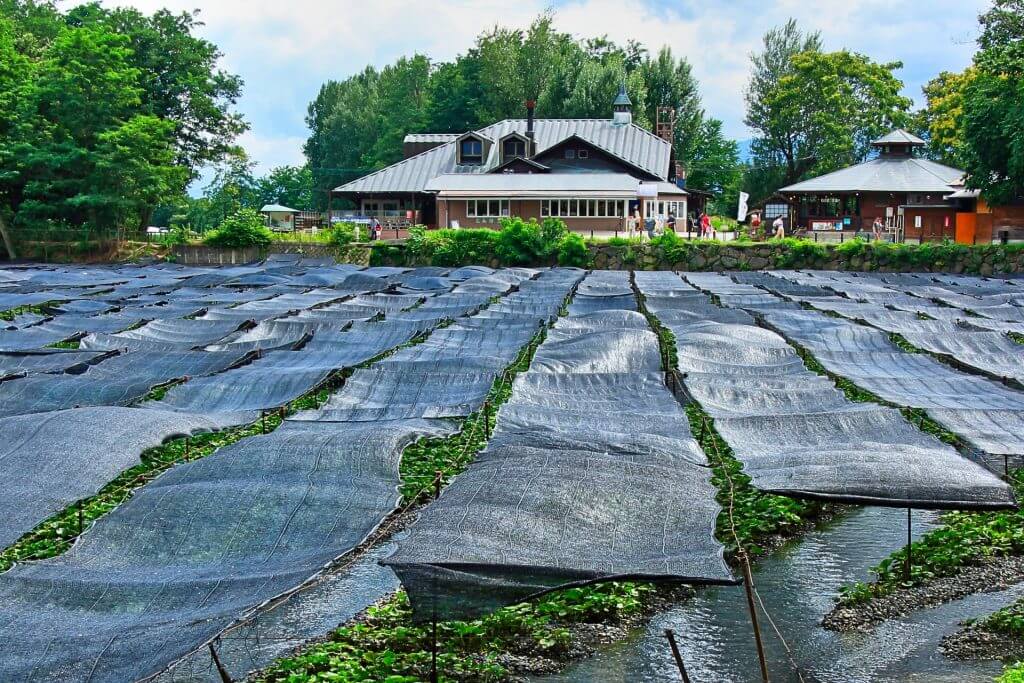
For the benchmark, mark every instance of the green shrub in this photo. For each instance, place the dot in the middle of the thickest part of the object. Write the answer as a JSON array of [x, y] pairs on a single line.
[[449, 247], [1012, 674], [244, 228], [572, 251], [344, 234], [520, 243]]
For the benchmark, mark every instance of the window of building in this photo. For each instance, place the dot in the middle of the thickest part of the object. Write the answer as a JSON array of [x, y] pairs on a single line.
[[773, 211], [512, 148], [486, 208], [471, 151], [570, 154], [581, 208], [583, 153], [662, 208]]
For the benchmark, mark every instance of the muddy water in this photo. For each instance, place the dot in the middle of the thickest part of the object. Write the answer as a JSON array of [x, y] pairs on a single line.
[[797, 585]]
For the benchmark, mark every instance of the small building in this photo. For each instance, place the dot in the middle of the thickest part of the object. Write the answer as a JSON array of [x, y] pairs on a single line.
[[591, 173], [906, 192], [277, 217]]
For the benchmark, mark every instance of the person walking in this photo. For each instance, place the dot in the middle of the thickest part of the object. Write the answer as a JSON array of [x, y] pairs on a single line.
[[705, 226], [779, 227], [876, 229], [671, 223]]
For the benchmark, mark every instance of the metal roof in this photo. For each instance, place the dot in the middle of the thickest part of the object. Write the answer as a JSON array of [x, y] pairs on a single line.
[[277, 208], [884, 174], [543, 184], [430, 137], [631, 143], [622, 98], [670, 188], [898, 137]]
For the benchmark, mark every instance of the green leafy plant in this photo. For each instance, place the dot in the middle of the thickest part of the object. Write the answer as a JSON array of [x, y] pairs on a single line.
[[244, 228], [572, 251]]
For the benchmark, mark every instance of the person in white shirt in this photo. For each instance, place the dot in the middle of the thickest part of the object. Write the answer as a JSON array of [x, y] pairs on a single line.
[[779, 226]]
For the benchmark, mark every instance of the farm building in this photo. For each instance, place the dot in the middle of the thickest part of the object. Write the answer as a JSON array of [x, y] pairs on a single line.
[[918, 200], [592, 173]]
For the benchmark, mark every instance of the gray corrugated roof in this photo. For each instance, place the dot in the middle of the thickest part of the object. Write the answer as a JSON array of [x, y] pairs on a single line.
[[631, 143], [884, 175], [534, 182], [670, 188], [898, 137], [430, 137], [277, 208]]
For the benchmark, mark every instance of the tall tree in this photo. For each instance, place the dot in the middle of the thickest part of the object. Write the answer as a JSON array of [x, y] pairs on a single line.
[[940, 122], [777, 136], [401, 107], [993, 106], [288, 185]]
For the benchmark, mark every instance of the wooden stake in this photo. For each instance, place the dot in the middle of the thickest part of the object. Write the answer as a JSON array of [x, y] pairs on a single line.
[[225, 677], [909, 560], [749, 588], [675, 654]]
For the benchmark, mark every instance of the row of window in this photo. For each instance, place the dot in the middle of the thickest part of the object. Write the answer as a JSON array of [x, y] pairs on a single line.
[[589, 208], [471, 151], [486, 208], [662, 208]]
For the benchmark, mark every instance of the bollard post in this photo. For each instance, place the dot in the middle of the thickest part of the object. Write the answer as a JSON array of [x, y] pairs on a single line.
[[675, 655]]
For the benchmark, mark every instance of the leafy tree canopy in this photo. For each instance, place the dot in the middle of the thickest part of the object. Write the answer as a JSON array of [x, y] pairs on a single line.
[[993, 106], [104, 114]]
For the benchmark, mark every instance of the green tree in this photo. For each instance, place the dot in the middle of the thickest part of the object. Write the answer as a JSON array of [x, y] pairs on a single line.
[[993, 106], [715, 164], [288, 185], [779, 137], [16, 128], [178, 77], [402, 107], [940, 122]]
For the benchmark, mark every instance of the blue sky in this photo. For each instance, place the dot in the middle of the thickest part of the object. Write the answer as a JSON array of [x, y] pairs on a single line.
[[285, 49]]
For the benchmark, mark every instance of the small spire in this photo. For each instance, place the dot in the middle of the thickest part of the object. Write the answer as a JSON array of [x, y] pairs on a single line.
[[622, 99]]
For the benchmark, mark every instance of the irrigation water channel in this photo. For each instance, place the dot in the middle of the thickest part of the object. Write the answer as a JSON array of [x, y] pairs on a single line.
[[797, 584]]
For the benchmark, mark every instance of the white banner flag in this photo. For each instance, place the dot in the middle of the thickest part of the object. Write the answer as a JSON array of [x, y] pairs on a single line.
[[741, 212]]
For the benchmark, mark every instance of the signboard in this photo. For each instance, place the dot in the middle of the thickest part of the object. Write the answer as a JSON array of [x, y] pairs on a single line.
[[821, 225], [647, 190], [847, 221], [741, 210]]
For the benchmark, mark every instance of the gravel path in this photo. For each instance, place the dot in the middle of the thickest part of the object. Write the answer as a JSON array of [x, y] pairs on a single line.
[[996, 574]]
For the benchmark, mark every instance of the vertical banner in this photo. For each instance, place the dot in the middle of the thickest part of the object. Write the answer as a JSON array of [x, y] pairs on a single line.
[[741, 210]]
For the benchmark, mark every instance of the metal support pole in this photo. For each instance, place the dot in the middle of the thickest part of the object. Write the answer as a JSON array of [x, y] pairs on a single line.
[[910, 559], [263, 420], [675, 654], [81, 519], [487, 419], [1006, 467], [438, 478], [748, 585], [188, 442]]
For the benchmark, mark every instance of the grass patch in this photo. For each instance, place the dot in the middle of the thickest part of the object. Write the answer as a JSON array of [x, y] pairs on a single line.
[[387, 646], [964, 539], [1008, 620], [1017, 337], [66, 344], [11, 313]]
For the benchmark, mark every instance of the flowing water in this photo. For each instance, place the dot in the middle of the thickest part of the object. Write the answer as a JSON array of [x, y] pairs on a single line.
[[797, 585]]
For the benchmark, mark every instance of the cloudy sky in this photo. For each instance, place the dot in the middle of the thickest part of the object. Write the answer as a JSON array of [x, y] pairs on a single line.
[[285, 49]]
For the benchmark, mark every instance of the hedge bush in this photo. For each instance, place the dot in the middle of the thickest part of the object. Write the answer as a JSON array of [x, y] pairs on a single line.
[[244, 228]]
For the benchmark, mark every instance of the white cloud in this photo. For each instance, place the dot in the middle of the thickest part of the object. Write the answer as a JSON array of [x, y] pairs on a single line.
[[286, 49]]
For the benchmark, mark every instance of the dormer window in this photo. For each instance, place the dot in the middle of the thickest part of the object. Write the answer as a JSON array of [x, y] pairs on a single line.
[[471, 151], [512, 148]]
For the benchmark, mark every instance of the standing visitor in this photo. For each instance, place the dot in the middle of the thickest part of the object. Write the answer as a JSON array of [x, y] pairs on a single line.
[[780, 228], [649, 226], [755, 225], [705, 226], [671, 224], [876, 229]]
